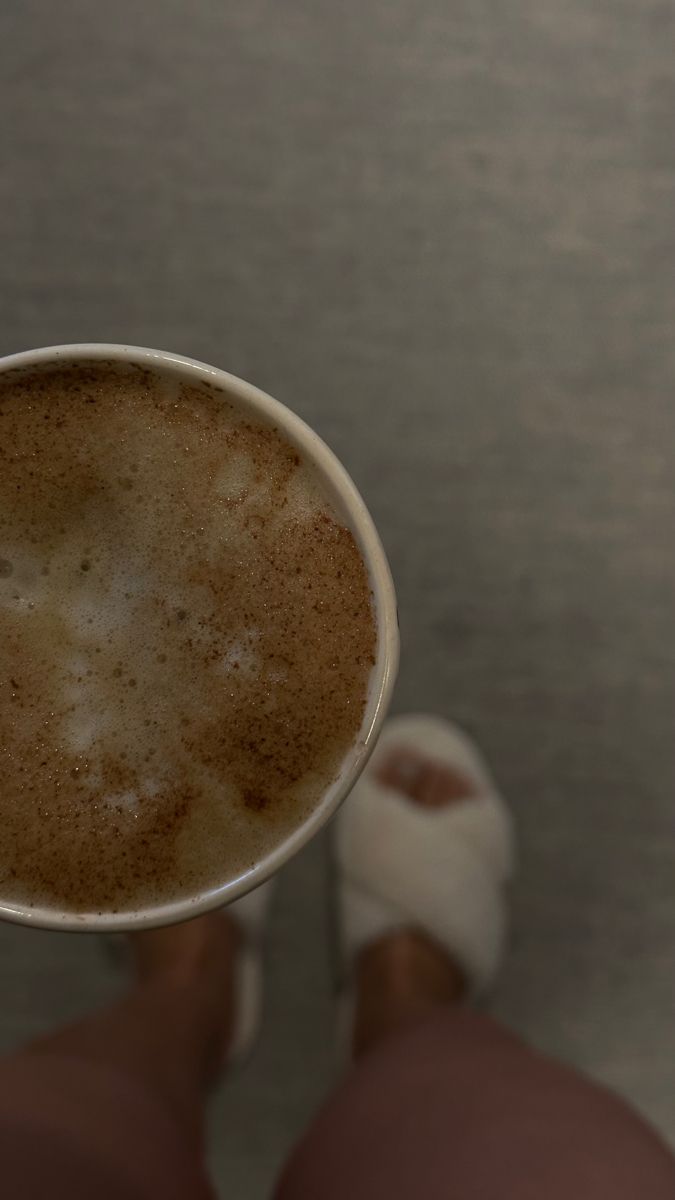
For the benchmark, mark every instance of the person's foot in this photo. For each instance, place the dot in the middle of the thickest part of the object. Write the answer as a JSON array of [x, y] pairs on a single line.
[[196, 959], [403, 975]]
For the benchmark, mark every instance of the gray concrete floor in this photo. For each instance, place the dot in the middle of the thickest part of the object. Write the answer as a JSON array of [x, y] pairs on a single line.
[[444, 234]]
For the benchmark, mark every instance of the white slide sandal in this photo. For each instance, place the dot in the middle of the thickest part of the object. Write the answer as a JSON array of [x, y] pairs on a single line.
[[251, 914], [441, 870]]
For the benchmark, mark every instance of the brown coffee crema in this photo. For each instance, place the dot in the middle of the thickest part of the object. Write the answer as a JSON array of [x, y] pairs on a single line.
[[186, 638]]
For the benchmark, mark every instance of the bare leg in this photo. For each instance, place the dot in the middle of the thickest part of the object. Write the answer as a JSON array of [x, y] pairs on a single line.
[[171, 1030], [403, 978], [113, 1106], [443, 1102]]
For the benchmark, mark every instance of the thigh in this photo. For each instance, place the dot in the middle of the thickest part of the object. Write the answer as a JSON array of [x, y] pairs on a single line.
[[70, 1128], [459, 1108]]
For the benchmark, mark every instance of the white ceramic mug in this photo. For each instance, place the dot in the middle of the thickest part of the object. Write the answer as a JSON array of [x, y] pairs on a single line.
[[351, 510]]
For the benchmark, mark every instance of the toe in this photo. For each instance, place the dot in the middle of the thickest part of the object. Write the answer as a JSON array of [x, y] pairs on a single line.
[[425, 781]]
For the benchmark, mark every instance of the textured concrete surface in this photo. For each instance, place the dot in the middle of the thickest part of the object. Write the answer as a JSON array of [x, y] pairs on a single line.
[[443, 234]]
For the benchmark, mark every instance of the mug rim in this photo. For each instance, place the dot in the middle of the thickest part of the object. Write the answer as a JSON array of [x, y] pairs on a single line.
[[351, 507]]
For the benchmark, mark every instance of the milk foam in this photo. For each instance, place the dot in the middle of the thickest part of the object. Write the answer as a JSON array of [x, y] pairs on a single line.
[[186, 633]]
